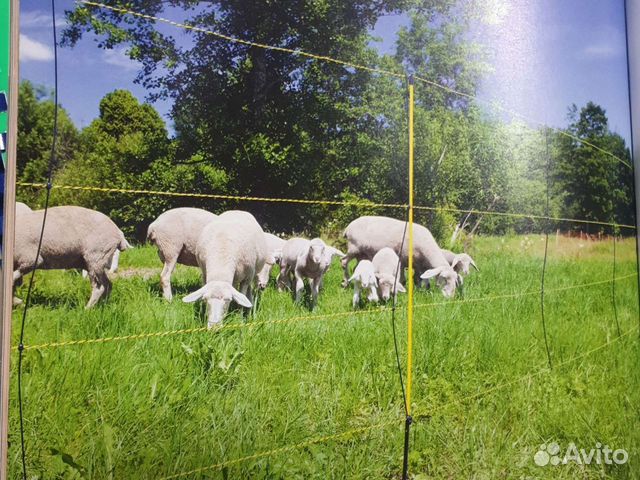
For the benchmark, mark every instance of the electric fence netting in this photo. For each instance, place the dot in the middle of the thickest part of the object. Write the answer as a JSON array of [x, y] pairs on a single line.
[[339, 387]]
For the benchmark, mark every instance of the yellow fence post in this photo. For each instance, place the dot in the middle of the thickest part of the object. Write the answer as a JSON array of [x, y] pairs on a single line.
[[410, 252], [407, 426]]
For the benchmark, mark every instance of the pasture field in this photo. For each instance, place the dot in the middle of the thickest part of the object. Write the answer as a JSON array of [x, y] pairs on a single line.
[[484, 400]]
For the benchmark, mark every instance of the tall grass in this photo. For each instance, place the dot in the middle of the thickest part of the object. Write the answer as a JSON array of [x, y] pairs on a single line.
[[155, 407]]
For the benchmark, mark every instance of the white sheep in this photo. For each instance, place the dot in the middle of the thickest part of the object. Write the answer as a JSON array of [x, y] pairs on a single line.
[[230, 250], [274, 244], [74, 238], [305, 259], [386, 267], [369, 234], [364, 278], [175, 233]]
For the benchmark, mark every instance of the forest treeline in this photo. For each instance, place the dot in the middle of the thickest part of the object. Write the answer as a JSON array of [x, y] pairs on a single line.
[[248, 121]]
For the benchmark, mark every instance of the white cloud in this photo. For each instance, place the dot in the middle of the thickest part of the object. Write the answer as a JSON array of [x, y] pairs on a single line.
[[118, 58], [34, 51], [608, 42], [601, 51], [39, 19]]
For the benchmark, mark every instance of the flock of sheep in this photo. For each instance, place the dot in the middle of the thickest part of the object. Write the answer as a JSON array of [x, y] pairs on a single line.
[[235, 254]]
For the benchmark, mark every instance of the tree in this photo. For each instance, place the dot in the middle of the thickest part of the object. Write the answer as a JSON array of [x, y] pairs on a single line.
[[35, 134], [127, 147], [279, 124], [594, 184]]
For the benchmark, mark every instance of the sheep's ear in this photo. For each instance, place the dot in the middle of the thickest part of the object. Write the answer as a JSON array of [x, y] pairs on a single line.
[[353, 277], [195, 296], [335, 251], [473, 264], [458, 263], [400, 288], [240, 299], [433, 272]]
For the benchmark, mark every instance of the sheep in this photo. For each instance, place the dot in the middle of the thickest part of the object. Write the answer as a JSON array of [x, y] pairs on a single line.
[[364, 278], [288, 259], [74, 238], [175, 233], [274, 244], [305, 259], [369, 234], [386, 265], [229, 252]]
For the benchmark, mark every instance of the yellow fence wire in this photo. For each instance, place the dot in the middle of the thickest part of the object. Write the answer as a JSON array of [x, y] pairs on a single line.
[[241, 198], [418, 415], [329, 316]]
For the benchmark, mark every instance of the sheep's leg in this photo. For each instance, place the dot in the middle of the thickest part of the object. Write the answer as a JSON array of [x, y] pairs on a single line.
[[345, 268], [283, 275], [373, 294], [315, 290], [19, 274], [165, 277], [299, 287], [356, 294], [99, 285]]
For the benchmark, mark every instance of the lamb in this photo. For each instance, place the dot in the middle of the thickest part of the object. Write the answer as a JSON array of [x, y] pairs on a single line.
[[274, 244], [305, 259], [369, 234], [386, 266], [364, 278], [74, 238], [229, 251], [175, 233]]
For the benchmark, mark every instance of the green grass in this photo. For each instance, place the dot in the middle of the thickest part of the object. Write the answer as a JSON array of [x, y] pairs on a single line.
[[159, 406]]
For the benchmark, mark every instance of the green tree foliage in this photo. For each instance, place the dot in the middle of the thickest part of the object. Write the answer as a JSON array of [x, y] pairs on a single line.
[[127, 147], [249, 121], [35, 137], [593, 184]]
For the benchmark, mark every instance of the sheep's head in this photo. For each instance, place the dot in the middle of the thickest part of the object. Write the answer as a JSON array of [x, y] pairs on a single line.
[[317, 251], [387, 285], [365, 278], [218, 296], [446, 278], [462, 262]]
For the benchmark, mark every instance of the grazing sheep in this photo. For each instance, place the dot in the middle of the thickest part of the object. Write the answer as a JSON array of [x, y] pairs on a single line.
[[364, 278], [386, 265], [274, 244], [175, 233], [369, 234], [230, 250], [74, 238], [305, 259]]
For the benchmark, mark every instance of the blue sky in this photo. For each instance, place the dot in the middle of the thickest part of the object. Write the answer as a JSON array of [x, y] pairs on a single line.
[[545, 55]]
